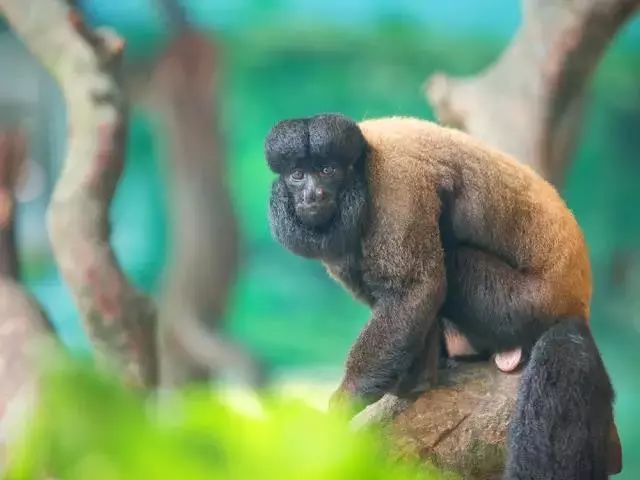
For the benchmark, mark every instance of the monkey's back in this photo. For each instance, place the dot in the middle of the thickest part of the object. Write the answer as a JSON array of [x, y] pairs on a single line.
[[491, 201]]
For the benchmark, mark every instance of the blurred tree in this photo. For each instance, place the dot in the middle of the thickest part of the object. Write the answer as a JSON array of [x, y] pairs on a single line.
[[122, 322], [12, 156], [90, 427], [204, 260], [24, 325]]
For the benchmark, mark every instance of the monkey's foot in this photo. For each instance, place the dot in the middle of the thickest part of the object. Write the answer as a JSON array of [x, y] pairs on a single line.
[[508, 361], [459, 347]]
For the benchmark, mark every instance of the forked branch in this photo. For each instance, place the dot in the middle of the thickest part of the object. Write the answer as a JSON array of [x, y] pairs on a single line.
[[85, 63]]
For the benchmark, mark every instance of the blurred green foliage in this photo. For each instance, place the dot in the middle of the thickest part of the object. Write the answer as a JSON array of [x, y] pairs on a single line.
[[88, 426]]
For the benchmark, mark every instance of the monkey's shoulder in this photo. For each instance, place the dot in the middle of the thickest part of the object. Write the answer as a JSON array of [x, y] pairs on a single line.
[[434, 153]]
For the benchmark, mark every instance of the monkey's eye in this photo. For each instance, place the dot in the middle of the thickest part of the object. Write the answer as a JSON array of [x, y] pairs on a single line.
[[297, 174], [328, 170]]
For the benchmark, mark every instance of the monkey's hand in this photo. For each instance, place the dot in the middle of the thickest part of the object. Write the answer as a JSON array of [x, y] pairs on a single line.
[[345, 399], [390, 344]]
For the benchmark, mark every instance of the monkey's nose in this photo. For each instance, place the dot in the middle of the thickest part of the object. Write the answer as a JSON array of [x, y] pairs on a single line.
[[315, 195], [321, 194]]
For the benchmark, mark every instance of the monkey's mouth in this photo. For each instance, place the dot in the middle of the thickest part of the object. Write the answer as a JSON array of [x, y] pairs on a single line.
[[316, 215]]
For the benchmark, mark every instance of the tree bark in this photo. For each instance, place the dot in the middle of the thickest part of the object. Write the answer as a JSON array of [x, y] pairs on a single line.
[[461, 425], [120, 321]]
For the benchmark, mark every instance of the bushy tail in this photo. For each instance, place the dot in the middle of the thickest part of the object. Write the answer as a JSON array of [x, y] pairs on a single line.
[[561, 427]]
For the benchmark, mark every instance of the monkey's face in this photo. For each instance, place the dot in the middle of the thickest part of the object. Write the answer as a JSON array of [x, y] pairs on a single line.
[[316, 159], [315, 189]]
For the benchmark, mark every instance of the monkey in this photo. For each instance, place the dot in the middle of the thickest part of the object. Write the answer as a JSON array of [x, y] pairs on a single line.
[[422, 223]]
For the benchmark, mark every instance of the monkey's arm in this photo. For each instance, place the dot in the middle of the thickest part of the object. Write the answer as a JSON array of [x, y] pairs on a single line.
[[393, 339], [405, 273]]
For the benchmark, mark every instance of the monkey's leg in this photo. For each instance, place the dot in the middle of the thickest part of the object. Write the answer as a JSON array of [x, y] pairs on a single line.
[[455, 343], [560, 428], [423, 372], [389, 344], [495, 306], [455, 346], [564, 415]]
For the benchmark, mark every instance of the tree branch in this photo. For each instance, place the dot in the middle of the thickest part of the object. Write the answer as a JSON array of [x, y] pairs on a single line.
[[529, 102], [120, 320], [204, 260]]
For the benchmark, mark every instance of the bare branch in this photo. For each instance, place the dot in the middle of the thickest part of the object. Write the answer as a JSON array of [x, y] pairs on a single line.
[[529, 102], [120, 320], [204, 260], [461, 424]]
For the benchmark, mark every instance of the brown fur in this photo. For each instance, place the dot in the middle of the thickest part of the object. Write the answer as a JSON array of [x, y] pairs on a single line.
[[501, 206]]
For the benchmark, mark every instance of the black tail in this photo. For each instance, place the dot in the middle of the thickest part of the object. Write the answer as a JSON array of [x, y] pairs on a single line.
[[560, 429]]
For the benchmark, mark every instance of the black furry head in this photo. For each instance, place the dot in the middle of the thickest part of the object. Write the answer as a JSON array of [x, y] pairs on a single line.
[[307, 146], [328, 136]]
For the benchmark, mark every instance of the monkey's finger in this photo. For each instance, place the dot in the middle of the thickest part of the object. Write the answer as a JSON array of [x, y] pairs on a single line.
[[508, 361]]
